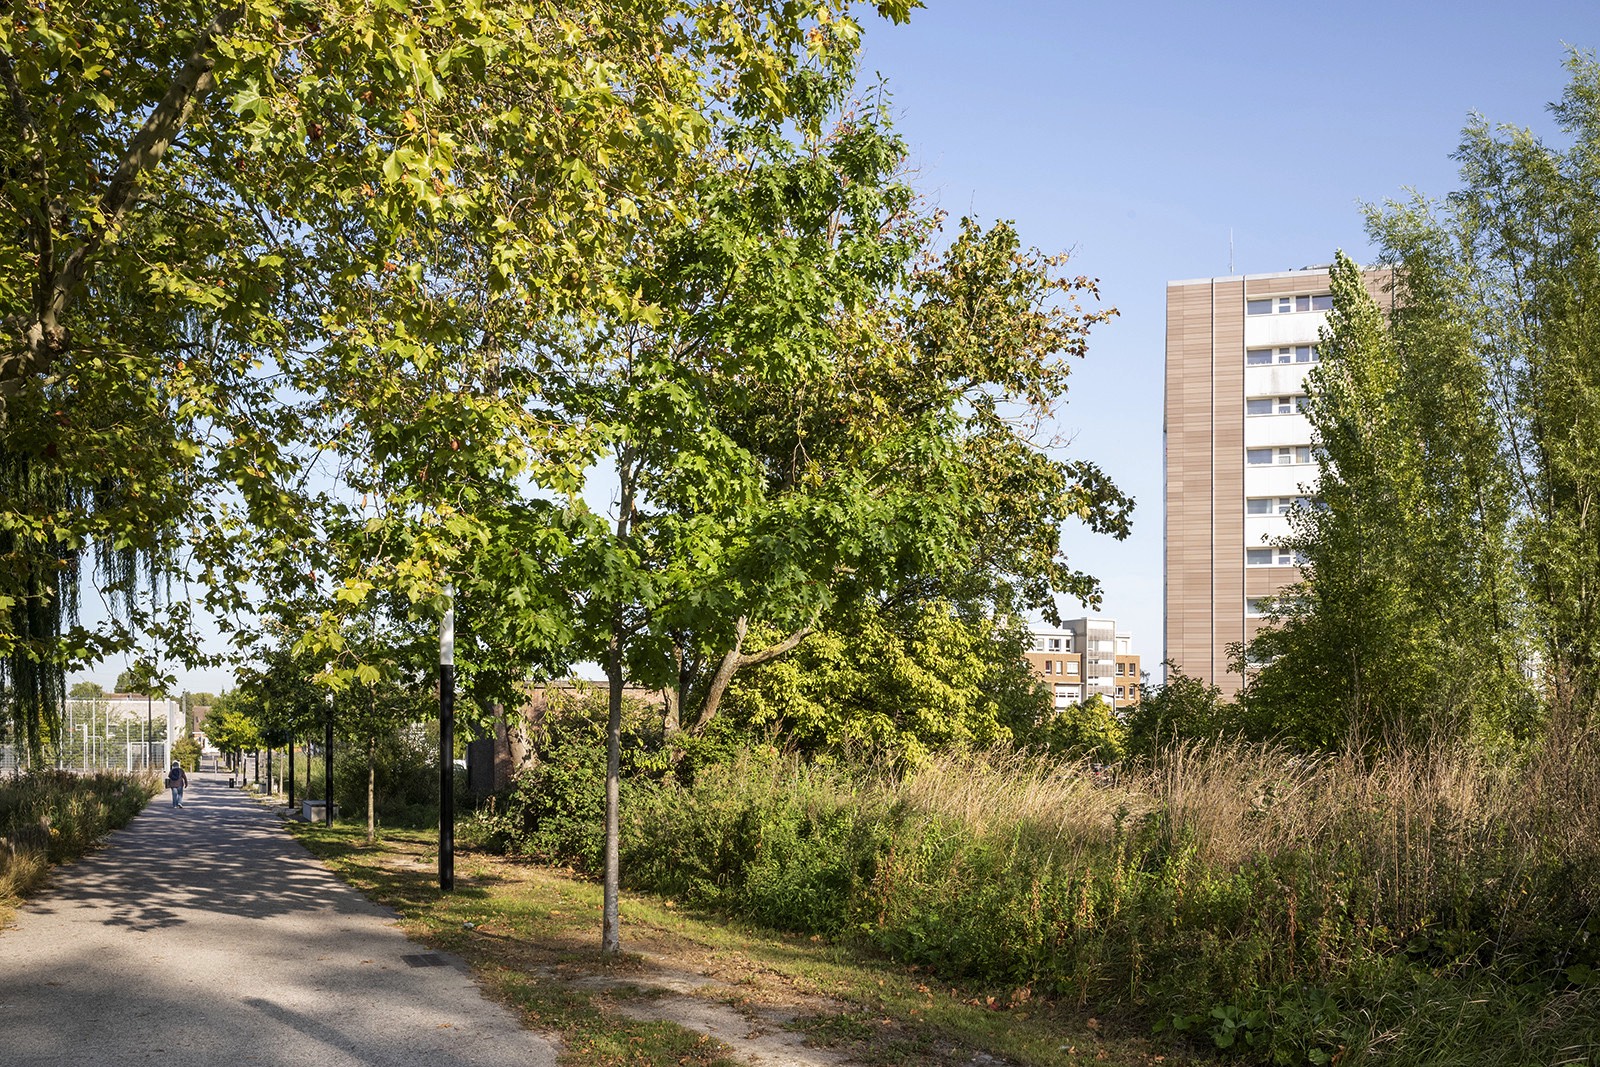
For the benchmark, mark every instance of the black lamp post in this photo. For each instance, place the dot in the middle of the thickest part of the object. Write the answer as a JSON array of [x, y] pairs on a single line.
[[447, 741], [327, 766]]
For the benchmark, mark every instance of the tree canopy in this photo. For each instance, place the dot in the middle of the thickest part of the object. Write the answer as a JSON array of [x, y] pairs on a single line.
[[240, 242]]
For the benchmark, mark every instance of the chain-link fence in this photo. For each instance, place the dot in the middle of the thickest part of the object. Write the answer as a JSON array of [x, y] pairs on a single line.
[[117, 733]]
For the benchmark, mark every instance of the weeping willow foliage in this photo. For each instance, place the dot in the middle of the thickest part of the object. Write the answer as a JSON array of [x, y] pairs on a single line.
[[42, 570]]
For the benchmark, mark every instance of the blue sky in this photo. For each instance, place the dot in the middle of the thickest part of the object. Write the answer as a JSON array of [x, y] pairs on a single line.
[[1138, 135]]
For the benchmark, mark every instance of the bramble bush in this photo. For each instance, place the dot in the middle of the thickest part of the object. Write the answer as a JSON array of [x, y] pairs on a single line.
[[555, 809]]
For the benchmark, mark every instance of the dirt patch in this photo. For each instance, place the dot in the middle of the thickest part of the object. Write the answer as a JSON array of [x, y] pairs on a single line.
[[760, 1015]]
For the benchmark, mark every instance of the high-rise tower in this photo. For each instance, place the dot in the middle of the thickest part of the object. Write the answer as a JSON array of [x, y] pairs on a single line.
[[1237, 453]]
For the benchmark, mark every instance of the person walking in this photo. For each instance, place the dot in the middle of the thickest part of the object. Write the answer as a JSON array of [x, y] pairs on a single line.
[[177, 781]]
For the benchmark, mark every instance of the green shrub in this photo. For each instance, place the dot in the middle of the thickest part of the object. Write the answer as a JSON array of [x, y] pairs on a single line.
[[1434, 907], [186, 750], [555, 809], [764, 838], [406, 779]]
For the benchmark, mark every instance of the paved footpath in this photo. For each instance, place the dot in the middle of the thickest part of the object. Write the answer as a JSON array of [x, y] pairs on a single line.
[[207, 935]]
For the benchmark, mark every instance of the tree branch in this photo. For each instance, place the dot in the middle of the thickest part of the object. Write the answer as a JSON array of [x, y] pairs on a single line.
[[735, 659], [44, 337], [43, 233]]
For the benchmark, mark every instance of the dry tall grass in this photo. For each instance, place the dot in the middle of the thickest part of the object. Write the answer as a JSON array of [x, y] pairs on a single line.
[[1423, 827], [1428, 906], [1333, 901]]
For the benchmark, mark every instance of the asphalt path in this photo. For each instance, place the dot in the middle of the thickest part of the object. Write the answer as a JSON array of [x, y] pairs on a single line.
[[207, 935]]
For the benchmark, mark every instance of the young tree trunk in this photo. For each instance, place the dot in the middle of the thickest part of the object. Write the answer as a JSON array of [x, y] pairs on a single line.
[[610, 934], [610, 921], [372, 789]]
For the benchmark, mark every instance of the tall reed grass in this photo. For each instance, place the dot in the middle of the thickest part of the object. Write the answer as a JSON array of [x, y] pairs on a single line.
[[1421, 907], [49, 817]]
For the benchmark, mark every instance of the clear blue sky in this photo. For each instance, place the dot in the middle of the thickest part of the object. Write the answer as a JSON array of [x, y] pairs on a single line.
[[1137, 135]]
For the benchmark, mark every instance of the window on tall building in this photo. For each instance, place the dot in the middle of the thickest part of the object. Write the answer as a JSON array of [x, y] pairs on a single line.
[[1273, 556], [1072, 666], [1274, 405], [1283, 305], [1055, 644], [1302, 454], [1049, 666], [1258, 505], [1258, 456], [1255, 606]]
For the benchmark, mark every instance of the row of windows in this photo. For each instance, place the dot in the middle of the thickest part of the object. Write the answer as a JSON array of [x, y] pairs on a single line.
[[1273, 505], [1273, 557], [1260, 457], [1056, 666], [1283, 305], [1262, 357], [1073, 693], [1275, 405]]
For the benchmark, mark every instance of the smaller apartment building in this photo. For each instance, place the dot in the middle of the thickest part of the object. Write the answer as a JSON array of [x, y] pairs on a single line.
[[1085, 658]]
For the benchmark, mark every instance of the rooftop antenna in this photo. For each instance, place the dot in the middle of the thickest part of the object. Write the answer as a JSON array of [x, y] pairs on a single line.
[[1230, 251]]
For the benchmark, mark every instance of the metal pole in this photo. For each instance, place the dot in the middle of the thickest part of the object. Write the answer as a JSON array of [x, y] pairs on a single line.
[[291, 771], [327, 766], [447, 741]]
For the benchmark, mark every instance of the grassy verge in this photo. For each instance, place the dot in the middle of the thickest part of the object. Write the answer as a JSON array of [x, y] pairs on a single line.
[[1423, 907], [49, 817], [531, 933]]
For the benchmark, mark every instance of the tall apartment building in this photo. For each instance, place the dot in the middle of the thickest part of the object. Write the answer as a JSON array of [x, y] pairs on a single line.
[[1237, 452], [1085, 658]]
